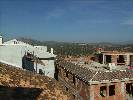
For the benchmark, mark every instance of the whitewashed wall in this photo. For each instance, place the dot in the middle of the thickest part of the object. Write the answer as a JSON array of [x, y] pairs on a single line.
[[1, 40], [13, 53], [48, 69]]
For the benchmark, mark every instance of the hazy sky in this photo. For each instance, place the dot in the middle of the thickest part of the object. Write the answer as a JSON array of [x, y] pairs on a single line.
[[68, 20]]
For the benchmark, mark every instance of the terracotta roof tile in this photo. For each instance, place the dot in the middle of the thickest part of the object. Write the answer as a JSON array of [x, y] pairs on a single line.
[[91, 75]]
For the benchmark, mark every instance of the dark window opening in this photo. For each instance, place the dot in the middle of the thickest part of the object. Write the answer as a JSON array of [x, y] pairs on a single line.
[[129, 88], [120, 60], [131, 60], [100, 58], [40, 71], [111, 90], [67, 74], [15, 42], [27, 63], [57, 71], [66, 89], [108, 59], [74, 81], [103, 91]]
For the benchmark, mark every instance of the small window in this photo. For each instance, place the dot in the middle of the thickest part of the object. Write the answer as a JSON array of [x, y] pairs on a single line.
[[74, 81], [103, 91], [67, 74], [40, 71], [129, 88], [111, 90], [66, 88]]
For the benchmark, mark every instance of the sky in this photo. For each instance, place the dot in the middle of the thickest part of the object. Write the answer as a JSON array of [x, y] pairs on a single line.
[[68, 20]]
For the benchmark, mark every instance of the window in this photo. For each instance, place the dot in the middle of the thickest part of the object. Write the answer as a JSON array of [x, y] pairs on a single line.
[[67, 74], [103, 91], [111, 90], [129, 88], [108, 58], [120, 60], [66, 88], [74, 81], [40, 71]]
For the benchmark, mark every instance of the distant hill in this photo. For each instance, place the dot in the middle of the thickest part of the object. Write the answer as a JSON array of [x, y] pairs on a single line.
[[127, 42], [78, 49]]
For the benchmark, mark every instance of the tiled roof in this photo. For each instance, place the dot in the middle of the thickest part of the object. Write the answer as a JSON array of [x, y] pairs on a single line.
[[113, 75], [12, 76], [89, 75], [78, 71]]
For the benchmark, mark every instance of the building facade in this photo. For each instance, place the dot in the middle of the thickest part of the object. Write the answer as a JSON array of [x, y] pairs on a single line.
[[118, 58], [23, 55], [87, 84]]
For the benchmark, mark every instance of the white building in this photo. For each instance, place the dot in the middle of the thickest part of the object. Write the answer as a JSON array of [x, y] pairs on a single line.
[[15, 53]]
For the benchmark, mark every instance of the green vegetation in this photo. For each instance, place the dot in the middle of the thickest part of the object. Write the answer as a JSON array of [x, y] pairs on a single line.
[[78, 49]]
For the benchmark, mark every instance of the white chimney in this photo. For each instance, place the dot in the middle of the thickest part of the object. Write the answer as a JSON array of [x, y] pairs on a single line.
[[1, 40], [52, 50]]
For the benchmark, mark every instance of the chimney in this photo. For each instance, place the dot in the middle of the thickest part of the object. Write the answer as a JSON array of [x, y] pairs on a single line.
[[52, 51], [1, 39]]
